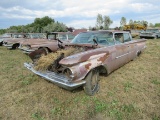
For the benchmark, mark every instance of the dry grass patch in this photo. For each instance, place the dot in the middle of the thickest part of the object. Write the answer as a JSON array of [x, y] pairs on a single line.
[[45, 61]]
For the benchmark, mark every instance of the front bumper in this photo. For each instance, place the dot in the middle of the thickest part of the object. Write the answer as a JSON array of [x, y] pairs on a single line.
[[57, 79], [9, 46], [147, 36], [27, 50]]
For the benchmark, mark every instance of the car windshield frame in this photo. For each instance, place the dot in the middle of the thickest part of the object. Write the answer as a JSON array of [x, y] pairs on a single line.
[[102, 38]]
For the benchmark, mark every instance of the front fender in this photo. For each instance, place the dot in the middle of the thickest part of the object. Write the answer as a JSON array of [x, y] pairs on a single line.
[[80, 70]]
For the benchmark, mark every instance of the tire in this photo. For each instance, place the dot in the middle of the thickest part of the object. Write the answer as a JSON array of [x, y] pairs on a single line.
[[15, 46], [92, 82], [141, 37], [45, 51], [156, 37], [1, 43]]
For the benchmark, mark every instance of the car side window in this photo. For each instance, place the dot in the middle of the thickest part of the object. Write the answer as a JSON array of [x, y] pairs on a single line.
[[119, 38], [126, 37]]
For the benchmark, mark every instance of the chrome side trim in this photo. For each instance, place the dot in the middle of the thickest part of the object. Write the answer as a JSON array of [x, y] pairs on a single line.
[[58, 79], [121, 55]]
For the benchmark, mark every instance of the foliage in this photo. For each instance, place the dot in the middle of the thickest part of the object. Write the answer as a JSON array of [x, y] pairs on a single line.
[[44, 24], [55, 27], [99, 24], [123, 21], [103, 22], [107, 22], [130, 22], [157, 25], [151, 25]]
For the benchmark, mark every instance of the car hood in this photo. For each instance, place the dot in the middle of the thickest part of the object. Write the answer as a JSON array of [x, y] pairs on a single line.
[[84, 56], [43, 44], [34, 41]]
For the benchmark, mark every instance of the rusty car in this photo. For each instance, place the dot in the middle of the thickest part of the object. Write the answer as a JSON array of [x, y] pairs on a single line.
[[89, 54], [5, 36], [49, 44], [18, 38]]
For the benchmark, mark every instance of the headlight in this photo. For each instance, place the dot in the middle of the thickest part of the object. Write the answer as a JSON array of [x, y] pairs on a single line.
[[68, 73]]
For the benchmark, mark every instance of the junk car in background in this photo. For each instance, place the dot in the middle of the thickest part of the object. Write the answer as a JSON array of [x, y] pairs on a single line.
[[48, 44], [5, 36], [18, 38], [150, 33]]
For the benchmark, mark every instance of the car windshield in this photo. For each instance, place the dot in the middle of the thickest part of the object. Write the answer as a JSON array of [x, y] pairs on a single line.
[[152, 30], [6, 35], [36, 36], [103, 38], [65, 36]]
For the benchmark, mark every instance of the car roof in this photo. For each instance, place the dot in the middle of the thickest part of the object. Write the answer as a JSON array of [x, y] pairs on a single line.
[[103, 31]]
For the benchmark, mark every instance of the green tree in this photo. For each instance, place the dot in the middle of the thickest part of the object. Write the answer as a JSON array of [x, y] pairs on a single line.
[[130, 22], [107, 22], [123, 21], [144, 23], [99, 21], [157, 24], [151, 25], [55, 27]]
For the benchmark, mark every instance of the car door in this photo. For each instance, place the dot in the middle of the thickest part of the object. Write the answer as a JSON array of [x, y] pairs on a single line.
[[131, 45], [121, 50]]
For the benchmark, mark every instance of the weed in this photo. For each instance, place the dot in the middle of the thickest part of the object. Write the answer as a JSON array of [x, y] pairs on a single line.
[[37, 116], [100, 106], [155, 117], [155, 81], [56, 110], [127, 86]]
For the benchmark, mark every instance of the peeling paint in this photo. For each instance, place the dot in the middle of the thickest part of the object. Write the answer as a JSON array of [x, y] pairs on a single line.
[[88, 65]]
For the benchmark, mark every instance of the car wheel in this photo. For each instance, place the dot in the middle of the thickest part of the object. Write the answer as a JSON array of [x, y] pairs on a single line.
[[1, 43], [92, 82], [44, 50], [15, 46], [156, 37]]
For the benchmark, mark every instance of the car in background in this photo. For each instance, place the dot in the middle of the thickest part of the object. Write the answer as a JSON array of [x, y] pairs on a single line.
[[150, 33], [18, 38], [89, 54], [48, 44], [5, 36]]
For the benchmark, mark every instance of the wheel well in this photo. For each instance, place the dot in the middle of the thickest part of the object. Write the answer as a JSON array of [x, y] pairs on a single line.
[[102, 69], [49, 50], [138, 53], [15, 45]]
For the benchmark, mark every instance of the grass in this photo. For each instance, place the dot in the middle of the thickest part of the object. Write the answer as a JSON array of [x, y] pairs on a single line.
[[130, 93]]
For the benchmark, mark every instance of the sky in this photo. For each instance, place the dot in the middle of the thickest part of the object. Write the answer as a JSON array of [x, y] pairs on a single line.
[[77, 13]]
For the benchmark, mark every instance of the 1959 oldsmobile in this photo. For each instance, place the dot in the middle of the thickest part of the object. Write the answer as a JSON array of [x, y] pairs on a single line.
[[80, 62]]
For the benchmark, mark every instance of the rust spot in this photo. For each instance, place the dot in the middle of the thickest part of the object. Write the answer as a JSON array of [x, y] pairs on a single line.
[[87, 65], [103, 58]]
